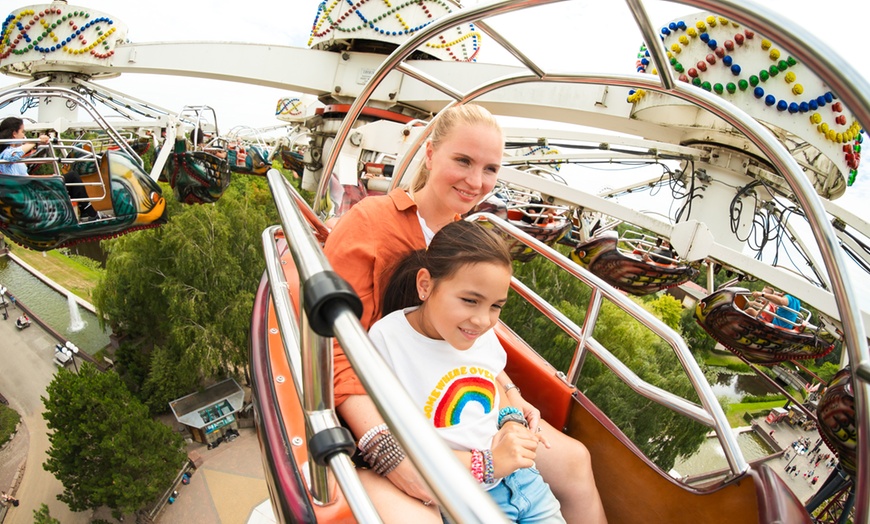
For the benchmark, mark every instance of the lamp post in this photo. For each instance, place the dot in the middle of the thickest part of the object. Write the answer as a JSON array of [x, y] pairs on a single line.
[[74, 350]]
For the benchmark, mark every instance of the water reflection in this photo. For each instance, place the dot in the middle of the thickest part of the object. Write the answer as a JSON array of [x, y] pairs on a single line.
[[52, 307], [734, 387], [711, 457]]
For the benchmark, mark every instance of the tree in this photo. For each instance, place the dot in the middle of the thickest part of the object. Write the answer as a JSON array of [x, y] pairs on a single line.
[[105, 449], [42, 516], [187, 289]]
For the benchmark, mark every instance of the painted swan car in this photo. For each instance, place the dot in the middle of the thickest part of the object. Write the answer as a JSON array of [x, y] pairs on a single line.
[[37, 212], [638, 273], [722, 315]]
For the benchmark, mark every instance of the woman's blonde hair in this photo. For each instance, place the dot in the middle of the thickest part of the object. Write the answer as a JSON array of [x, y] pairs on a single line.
[[443, 125]]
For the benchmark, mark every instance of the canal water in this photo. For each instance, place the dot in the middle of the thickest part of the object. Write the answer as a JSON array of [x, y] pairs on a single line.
[[52, 307], [711, 457], [734, 387]]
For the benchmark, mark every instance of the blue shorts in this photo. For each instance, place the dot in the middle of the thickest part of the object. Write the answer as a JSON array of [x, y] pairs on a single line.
[[526, 498]]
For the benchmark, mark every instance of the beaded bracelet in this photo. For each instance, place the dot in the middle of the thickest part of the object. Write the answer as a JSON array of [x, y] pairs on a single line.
[[477, 464], [381, 451], [370, 434], [511, 414], [488, 467]]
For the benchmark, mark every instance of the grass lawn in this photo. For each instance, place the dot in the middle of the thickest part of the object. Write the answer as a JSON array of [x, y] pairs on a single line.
[[735, 411], [69, 273], [8, 419], [728, 361]]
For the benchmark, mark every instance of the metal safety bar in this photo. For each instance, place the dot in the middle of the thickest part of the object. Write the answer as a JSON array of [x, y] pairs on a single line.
[[455, 488], [74, 98], [710, 413], [58, 151]]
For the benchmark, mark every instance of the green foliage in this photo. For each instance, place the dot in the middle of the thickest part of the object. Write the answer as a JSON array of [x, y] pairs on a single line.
[[827, 371], [657, 431], [770, 397], [105, 449], [8, 420], [187, 288], [668, 309], [42, 516], [696, 338]]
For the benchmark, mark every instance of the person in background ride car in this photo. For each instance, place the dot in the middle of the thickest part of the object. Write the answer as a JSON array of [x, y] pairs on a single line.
[[12, 153]]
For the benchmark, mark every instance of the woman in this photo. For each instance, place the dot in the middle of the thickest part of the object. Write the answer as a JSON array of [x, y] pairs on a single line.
[[460, 167], [11, 153]]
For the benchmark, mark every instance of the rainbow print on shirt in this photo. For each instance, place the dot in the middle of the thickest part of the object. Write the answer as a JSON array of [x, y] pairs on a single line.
[[458, 395]]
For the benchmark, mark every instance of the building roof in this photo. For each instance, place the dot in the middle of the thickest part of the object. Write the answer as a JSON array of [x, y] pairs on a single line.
[[188, 409]]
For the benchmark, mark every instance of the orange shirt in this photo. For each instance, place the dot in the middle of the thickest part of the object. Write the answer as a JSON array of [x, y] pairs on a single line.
[[363, 248]]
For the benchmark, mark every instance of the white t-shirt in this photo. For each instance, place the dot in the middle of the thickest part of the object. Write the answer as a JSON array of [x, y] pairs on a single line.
[[456, 390]]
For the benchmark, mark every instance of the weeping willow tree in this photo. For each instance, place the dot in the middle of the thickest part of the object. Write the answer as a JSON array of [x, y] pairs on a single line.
[[183, 293]]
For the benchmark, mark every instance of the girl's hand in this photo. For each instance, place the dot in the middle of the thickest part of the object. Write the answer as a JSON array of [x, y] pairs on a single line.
[[513, 447], [530, 412]]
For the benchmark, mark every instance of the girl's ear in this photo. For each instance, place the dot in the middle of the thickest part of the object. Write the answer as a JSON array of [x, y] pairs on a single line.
[[424, 284]]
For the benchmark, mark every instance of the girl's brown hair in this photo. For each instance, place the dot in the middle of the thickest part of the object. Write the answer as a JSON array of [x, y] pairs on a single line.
[[444, 124], [457, 244]]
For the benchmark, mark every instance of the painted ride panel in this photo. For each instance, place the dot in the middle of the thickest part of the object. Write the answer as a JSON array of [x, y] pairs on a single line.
[[635, 272], [196, 177], [759, 341], [36, 211], [837, 426]]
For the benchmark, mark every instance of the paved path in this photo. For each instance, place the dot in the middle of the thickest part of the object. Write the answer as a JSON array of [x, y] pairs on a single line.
[[785, 435], [226, 489], [26, 370]]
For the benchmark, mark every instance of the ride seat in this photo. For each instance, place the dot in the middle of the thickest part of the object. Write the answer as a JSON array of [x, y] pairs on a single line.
[[104, 193]]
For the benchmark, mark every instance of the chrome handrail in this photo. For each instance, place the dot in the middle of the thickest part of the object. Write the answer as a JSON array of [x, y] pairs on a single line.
[[56, 157], [75, 98], [710, 413], [455, 488]]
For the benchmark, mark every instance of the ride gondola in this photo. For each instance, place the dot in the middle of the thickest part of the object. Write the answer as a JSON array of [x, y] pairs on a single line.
[[248, 159], [39, 213], [723, 315], [545, 223], [642, 269], [196, 177]]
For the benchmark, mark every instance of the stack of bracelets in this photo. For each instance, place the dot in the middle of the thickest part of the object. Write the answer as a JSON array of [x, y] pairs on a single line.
[[481, 466], [511, 414], [380, 449]]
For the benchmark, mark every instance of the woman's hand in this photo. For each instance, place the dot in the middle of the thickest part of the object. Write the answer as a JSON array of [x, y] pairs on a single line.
[[408, 479], [513, 447], [530, 412]]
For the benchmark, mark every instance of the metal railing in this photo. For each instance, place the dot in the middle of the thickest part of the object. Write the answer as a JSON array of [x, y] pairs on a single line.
[[709, 413], [57, 154], [309, 355]]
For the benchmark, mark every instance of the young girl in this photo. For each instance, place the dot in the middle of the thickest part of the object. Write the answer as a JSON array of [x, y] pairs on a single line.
[[445, 353]]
